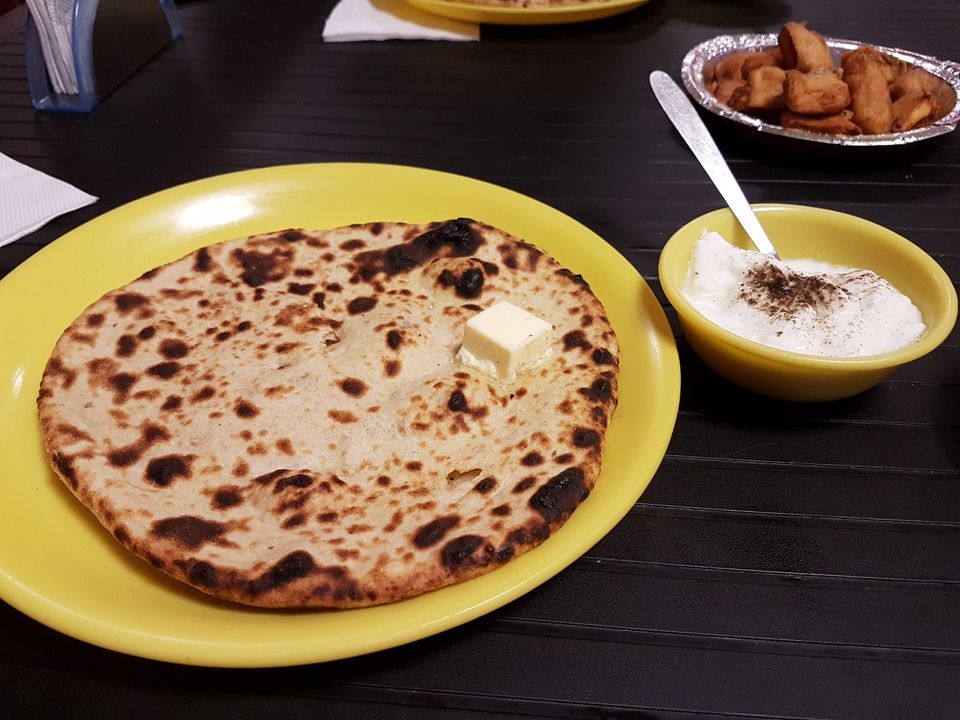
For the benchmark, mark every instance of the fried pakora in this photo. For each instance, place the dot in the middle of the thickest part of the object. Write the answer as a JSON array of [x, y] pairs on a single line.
[[909, 111], [918, 97], [803, 49], [762, 92], [797, 85], [867, 72], [818, 92], [840, 123]]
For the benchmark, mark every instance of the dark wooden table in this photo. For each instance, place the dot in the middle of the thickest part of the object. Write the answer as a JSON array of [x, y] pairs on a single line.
[[786, 561]]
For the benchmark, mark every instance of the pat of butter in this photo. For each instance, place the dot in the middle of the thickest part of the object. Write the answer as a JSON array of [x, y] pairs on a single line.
[[504, 340]]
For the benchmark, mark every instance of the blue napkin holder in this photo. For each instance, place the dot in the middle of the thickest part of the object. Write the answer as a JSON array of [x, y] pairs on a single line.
[[112, 39]]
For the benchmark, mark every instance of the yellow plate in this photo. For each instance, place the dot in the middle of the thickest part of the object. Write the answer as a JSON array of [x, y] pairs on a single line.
[[495, 15], [60, 567]]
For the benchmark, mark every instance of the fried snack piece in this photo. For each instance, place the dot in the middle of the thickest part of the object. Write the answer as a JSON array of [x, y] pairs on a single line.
[[738, 65], [866, 70], [911, 110], [763, 91], [840, 123], [915, 81], [729, 75], [725, 90], [918, 83], [818, 92], [883, 93], [754, 60], [730, 67], [803, 49], [889, 66]]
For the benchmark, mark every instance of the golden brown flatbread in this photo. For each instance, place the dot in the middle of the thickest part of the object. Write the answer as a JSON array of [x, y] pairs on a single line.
[[280, 420]]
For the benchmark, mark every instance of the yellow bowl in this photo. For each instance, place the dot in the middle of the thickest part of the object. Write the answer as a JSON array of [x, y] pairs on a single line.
[[828, 236]]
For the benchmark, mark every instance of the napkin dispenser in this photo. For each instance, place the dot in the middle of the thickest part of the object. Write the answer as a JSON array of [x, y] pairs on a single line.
[[111, 40]]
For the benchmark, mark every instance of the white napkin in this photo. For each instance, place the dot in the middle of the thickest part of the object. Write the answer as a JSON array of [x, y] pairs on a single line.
[[353, 20], [29, 199]]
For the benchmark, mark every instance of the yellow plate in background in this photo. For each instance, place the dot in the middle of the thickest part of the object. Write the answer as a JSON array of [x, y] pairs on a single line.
[[496, 15], [60, 567]]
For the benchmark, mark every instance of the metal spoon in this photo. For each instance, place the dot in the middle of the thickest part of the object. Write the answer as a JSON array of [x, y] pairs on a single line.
[[685, 119]]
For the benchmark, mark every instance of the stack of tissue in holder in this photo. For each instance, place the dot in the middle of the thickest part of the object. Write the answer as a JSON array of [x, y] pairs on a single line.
[[54, 21]]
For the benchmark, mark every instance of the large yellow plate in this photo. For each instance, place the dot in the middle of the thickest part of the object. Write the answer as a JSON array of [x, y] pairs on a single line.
[[557, 15], [60, 567]]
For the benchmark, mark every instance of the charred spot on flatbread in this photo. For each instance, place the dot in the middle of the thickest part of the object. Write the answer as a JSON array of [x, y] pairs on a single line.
[[162, 471]]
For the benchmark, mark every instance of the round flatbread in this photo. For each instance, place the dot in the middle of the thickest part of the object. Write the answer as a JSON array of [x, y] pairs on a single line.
[[281, 421]]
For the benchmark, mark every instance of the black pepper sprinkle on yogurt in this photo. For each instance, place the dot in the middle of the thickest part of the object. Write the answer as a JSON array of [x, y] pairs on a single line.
[[803, 306]]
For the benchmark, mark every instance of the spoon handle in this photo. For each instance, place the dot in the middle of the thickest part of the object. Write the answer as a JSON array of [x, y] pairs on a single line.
[[691, 128]]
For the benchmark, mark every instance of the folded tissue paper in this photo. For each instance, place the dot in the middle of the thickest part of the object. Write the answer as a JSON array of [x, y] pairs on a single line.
[[356, 20], [29, 199]]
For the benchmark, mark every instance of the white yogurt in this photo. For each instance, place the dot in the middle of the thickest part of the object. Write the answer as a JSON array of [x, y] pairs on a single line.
[[805, 306]]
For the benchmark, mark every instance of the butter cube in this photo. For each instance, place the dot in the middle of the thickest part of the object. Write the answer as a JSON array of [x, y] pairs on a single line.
[[504, 340]]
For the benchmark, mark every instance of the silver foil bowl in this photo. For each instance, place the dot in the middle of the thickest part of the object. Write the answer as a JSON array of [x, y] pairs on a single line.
[[702, 58]]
